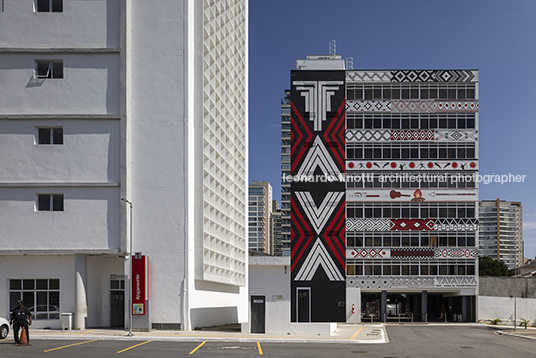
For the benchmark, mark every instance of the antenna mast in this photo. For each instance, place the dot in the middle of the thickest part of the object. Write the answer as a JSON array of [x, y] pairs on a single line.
[[349, 63], [332, 47]]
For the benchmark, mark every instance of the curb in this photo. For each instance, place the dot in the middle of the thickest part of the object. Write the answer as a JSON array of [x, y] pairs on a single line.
[[515, 335]]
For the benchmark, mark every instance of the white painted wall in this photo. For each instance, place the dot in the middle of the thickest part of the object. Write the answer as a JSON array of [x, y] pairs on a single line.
[[90, 84], [60, 267], [157, 95], [353, 304], [270, 277], [490, 308], [90, 220], [83, 23], [90, 151]]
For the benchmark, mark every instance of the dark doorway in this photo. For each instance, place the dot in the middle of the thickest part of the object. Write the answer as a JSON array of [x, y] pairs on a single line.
[[304, 305], [117, 308], [258, 314]]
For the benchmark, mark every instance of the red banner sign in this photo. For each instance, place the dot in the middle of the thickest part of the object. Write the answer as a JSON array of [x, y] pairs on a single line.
[[139, 284]]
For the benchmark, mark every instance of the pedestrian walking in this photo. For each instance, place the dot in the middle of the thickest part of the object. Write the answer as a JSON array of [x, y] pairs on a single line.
[[21, 317]]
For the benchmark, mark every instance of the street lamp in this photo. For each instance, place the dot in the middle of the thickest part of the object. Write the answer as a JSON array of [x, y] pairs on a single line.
[[515, 291], [130, 272]]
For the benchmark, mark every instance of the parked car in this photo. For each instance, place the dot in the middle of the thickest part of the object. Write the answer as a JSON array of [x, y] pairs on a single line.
[[4, 328]]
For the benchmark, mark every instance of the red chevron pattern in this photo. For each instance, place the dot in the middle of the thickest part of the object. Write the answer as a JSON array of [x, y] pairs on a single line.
[[300, 136], [335, 134], [301, 237]]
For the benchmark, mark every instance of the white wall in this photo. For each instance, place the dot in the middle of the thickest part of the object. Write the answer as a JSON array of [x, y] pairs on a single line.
[[53, 266], [490, 308], [158, 144], [90, 84], [90, 151], [90, 220], [83, 23], [270, 277]]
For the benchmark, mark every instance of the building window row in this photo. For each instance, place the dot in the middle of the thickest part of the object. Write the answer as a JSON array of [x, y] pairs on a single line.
[[41, 296], [404, 268], [424, 90], [50, 135], [356, 180], [459, 210], [410, 121], [49, 5], [356, 151], [413, 239]]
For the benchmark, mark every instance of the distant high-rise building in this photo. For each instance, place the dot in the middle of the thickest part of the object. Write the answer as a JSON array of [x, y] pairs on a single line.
[[276, 229], [260, 217], [501, 231]]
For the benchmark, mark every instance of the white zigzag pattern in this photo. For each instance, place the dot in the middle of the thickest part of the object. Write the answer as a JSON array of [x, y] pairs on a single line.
[[318, 156], [318, 256], [319, 216]]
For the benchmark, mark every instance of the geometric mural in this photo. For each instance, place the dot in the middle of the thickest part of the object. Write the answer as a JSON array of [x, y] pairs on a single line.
[[418, 253], [380, 135], [404, 282], [412, 106], [362, 224], [407, 165], [412, 76], [318, 207]]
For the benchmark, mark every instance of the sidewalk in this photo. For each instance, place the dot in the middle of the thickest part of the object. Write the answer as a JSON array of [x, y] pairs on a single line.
[[345, 333], [529, 333]]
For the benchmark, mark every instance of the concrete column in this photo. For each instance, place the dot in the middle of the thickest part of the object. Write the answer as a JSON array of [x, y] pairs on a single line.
[[416, 311], [464, 309], [424, 306], [383, 306], [449, 309], [80, 286]]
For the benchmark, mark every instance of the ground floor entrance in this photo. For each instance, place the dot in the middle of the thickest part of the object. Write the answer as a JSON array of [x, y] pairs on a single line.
[[417, 307]]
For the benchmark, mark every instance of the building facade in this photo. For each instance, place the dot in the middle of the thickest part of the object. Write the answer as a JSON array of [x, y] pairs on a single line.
[[501, 231], [285, 171], [104, 100], [392, 155], [260, 217]]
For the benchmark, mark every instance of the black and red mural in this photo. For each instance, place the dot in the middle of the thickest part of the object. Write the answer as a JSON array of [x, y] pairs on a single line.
[[318, 286]]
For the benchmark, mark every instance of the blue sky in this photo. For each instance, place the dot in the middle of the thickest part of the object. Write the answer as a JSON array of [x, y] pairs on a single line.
[[496, 37]]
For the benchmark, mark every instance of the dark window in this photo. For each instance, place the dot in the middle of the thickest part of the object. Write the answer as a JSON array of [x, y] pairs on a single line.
[[470, 93], [386, 93], [405, 93], [49, 69], [50, 202], [424, 93], [49, 5], [377, 93], [50, 136]]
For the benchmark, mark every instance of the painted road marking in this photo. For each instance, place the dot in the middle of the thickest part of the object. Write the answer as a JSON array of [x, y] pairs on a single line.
[[260, 349], [69, 345], [356, 333], [196, 348], [91, 330], [137, 345]]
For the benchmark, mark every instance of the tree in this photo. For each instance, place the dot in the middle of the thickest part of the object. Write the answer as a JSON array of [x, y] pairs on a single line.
[[489, 267]]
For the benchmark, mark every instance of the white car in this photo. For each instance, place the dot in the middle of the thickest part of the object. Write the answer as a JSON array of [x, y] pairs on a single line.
[[4, 328]]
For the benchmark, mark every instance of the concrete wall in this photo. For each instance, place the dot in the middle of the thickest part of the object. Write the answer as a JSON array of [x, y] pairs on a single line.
[[504, 286], [90, 151], [270, 277], [90, 84], [88, 23], [490, 308]]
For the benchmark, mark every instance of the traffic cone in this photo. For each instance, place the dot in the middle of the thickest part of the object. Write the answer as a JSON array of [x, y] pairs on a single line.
[[23, 341]]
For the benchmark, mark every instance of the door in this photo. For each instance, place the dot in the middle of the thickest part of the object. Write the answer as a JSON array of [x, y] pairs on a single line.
[[304, 305], [258, 314], [117, 308]]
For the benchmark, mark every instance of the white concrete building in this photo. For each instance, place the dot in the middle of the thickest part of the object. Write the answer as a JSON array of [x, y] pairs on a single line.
[[108, 99], [501, 231]]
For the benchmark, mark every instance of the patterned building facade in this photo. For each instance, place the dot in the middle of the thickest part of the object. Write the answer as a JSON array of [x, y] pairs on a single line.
[[409, 148]]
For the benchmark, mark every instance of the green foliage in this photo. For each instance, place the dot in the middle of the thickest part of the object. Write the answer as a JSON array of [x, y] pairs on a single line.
[[495, 321], [489, 267]]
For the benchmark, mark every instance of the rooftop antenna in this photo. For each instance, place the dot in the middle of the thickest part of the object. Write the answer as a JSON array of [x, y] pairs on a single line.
[[349, 63], [332, 47]]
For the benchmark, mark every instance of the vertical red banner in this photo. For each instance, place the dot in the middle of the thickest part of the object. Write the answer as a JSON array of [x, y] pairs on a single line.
[[139, 287]]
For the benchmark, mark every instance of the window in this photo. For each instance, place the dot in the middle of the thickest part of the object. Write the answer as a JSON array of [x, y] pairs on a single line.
[[48, 69], [49, 202], [49, 5], [50, 135], [41, 296]]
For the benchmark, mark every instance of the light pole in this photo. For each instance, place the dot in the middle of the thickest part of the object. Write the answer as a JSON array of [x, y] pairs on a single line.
[[515, 292], [130, 272]]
